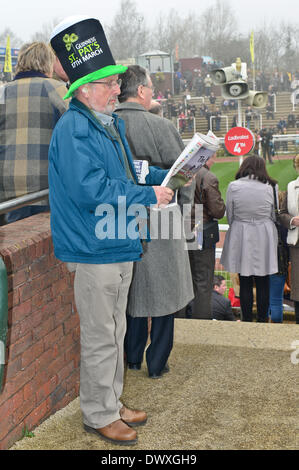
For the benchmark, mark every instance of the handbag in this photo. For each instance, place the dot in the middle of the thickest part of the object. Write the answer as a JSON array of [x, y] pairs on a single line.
[[282, 249], [210, 230]]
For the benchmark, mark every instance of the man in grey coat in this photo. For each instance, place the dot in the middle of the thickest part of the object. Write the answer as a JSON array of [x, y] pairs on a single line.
[[162, 281]]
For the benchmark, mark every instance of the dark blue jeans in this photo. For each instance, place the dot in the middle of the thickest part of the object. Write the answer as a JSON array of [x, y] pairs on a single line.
[[276, 285]]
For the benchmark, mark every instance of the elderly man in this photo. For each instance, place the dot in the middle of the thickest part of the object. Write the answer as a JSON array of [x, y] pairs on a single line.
[[92, 185], [162, 282]]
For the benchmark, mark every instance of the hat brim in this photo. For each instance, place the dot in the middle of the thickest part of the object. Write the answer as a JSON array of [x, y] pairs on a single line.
[[98, 74]]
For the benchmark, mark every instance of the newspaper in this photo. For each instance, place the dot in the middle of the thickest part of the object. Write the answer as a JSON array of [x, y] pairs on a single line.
[[194, 156]]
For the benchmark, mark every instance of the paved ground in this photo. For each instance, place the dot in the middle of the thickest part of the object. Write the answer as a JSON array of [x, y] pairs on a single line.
[[232, 385]]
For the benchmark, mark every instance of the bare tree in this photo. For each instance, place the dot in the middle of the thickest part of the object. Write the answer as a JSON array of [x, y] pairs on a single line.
[[219, 27], [15, 41], [44, 34], [128, 34]]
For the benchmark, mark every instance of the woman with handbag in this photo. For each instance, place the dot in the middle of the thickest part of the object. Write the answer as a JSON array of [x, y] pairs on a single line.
[[289, 217], [250, 246]]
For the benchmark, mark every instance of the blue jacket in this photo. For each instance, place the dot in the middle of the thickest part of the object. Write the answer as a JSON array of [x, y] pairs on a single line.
[[93, 203]]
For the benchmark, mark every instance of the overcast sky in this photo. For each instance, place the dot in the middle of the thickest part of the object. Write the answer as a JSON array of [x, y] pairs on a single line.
[[25, 17]]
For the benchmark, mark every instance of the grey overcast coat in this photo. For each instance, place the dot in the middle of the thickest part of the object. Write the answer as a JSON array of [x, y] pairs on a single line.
[[250, 246], [162, 281]]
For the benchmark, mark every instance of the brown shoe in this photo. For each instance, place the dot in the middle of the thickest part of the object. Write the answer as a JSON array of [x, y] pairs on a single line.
[[117, 432], [133, 417]]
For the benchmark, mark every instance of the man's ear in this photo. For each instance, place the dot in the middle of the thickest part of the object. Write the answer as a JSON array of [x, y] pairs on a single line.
[[140, 92]]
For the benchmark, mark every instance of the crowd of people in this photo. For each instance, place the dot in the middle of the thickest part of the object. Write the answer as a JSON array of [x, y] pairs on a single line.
[[83, 146]]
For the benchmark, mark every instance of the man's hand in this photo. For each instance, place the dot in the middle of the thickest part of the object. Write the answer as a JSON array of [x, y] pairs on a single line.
[[163, 195]]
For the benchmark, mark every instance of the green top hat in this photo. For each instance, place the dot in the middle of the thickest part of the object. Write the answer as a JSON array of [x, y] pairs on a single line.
[[81, 46]]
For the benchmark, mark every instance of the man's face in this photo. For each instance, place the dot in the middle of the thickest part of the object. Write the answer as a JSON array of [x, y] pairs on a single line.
[[221, 289], [101, 95]]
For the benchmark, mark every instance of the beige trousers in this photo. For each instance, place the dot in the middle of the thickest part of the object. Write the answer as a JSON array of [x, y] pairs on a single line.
[[101, 292]]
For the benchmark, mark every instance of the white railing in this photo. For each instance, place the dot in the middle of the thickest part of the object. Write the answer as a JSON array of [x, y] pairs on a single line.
[[186, 121], [221, 117]]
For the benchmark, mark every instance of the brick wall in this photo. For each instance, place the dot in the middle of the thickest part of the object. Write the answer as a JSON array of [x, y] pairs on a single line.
[[43, 348]]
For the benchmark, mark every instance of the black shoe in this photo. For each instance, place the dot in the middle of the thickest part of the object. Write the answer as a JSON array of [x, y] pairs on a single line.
[[134, 365], [158, 376], [155, 376]]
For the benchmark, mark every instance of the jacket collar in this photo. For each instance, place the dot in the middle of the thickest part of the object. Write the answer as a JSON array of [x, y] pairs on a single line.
[[130, 105], [79, 106], [30, 74]]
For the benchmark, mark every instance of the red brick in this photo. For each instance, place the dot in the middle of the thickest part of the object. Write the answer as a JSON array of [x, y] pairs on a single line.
[[55, 366], [5, 426], [22, 377], [18, 347], [59, 286], [40, 413], [51, 338], [67, 398], [39, 267], [43, 328], [24, 410], [12, 437], [30, 322], [65, 372], [71, 323], [63, 314], [13, 367], [45, 359], [31, 249], [32, 353], [19, 277], [40, 299], [38, 284], [13, 298], [6, 410], [68, 297], [45, 391], [73, 381], [18, 399], [21, 311], [34, 384], [65, 343], [18, 258]]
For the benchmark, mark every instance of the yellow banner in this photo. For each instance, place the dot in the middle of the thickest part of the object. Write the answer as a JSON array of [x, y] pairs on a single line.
[[252, 47], [7, 63], [177, 52]]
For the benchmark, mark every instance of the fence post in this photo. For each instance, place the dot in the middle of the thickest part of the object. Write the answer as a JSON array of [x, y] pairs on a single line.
[[3, 318]]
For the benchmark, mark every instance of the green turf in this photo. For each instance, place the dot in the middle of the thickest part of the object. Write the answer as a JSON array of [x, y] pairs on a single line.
[[282, 171]]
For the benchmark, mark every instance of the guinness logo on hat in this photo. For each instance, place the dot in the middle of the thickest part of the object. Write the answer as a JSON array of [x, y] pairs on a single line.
[[81, 46]]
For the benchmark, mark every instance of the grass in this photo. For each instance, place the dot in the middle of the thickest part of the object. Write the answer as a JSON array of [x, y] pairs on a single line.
[[282, 171]]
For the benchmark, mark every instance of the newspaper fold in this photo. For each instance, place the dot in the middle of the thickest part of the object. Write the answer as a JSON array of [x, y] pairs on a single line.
[[193, 157]]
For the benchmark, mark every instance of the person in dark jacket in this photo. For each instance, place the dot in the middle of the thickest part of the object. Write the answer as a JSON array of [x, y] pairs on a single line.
[[221, 306], [202, 261]]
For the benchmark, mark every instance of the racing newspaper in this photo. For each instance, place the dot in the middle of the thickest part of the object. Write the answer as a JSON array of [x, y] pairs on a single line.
[[194, 156]]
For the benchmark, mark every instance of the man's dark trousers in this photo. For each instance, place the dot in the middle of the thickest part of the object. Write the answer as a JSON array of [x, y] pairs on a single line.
[[161, 336]]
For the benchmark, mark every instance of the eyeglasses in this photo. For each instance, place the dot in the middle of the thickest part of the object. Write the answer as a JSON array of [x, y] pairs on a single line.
[[111, 84], [150, 87]]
